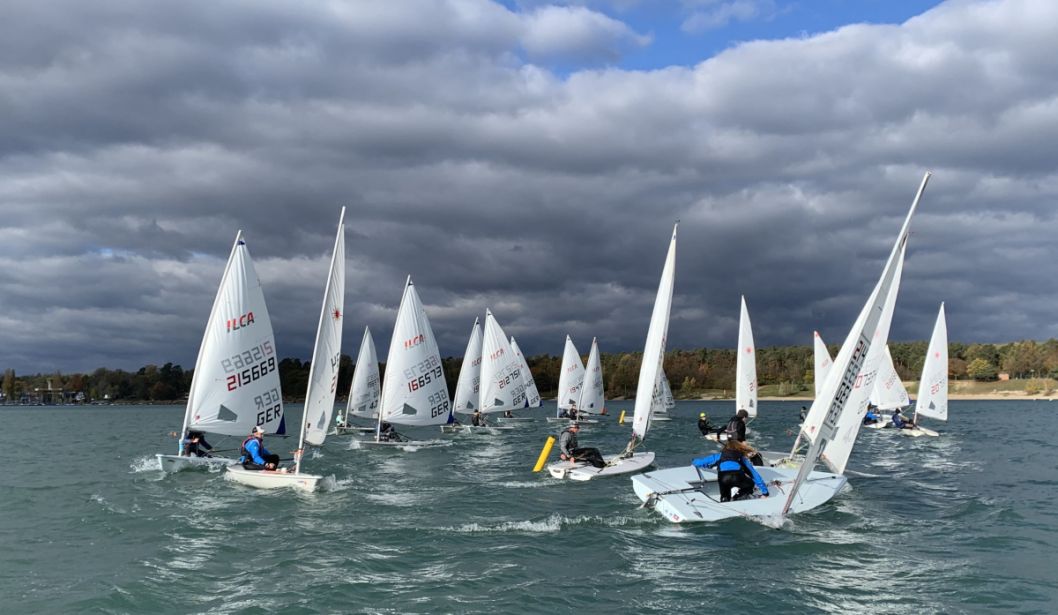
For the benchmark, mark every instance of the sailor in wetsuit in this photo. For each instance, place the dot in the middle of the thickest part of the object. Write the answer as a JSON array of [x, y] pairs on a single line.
[[569, 450], [478, 419], [386, 433], [734, 470], [901, 422], [704, 425], [253, 454], [736, 427], [871, 417], [195, 445]]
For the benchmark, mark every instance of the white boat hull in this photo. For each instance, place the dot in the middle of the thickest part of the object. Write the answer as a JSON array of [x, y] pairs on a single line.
[[918, 432], [679, 495], [514, 419], [176, 463], [267, 479], [615, 467], [488, 429], [352, 430], [878, 425], [661, 419]]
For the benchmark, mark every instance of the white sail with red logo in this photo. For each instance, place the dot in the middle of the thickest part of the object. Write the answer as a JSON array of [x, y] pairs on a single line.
[[466, 399], [414, 391], [746, 366], [236, 379], [327, 352], [502, 384], [933, 387], [570, 378]]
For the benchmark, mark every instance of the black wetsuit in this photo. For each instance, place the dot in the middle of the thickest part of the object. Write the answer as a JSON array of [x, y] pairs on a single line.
[[567, 444], [705, 427]]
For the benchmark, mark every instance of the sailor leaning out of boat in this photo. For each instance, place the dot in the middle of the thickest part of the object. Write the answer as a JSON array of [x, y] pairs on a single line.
[[734, 470]]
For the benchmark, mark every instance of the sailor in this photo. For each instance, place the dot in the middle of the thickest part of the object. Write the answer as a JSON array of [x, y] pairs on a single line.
[[871, 417], [507, 414], [570, 450], [386, 433], [804, 413], [478, 419], [195, 445], [736, 427], [733, 469], [900, 421], [704, 425], [253, 454], [572, 411]]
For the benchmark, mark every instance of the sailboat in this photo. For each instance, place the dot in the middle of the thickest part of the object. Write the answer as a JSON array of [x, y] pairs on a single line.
[[364, 391], [593, 393], [235, 385], [888, 393], [647, 389], [323, 380], [932, 399], [570, 381], [414, 392], [532, 395], [745, 370], [466, 398], [687, 495], [503, 377]]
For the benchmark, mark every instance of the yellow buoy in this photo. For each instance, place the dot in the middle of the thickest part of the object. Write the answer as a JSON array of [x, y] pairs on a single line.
[[542, 459], [621, 421]]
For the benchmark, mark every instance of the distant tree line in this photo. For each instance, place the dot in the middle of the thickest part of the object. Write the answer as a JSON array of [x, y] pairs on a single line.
[[690, 372]]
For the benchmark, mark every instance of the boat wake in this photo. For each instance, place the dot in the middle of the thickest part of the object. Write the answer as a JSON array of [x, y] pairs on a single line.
[[144, 464], [553, 523]]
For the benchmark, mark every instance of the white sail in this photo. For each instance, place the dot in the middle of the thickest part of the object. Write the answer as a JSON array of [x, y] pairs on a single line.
[[236, 380], [667, 399], [822, 361], [933, 387], [889, 392], [502, 387], [837, 413], [327, 352], [532, 395], [570, 377], [365, 391], [466, 399], [593, 393], [746, 365], [414, 391], [654, 348]]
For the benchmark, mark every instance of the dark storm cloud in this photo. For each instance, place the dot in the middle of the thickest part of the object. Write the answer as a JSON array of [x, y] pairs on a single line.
[[136, 139]]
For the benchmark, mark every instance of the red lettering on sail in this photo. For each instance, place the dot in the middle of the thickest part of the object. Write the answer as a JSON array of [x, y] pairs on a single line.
[[234, 324], [415, 341]]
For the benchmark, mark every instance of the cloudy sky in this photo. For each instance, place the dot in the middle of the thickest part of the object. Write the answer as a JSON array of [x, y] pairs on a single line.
[[527, 156]]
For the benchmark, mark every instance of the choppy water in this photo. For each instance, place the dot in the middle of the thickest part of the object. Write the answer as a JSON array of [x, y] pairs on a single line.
[[963, 523]]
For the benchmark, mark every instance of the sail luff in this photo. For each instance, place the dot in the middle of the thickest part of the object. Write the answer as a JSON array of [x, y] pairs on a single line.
[[326, 351], [195, 376], [654, 347], [823, 419]]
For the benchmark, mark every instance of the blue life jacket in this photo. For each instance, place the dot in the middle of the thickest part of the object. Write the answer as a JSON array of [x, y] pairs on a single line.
[[254, 455], [898, 420]]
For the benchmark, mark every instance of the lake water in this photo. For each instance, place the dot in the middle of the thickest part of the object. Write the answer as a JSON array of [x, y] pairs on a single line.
[[964, 523]]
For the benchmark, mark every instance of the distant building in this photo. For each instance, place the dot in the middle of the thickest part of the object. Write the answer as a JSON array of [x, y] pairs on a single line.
[[1003, 376]]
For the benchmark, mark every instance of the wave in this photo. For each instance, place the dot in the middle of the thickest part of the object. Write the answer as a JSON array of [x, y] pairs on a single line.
[[147, 463]]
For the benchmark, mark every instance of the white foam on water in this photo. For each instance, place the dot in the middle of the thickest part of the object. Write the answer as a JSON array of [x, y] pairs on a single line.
[[554, 523], [328, 484], [775, 522], [144, 464], [354, 445], [528, 484]]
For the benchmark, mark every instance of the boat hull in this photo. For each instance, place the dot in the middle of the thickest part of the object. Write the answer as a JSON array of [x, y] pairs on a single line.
[[352, 430], [267, 479], [919, 432], [487, 429], [178, 463], [581, 471], [681, 496]]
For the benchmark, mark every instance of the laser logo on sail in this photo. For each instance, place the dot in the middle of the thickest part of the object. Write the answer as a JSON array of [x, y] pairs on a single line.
[[234, 324]]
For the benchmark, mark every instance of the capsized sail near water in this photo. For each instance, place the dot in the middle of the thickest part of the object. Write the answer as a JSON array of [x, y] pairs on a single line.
[[466, 399], [414, 391], [365, 391], [836, 415]]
